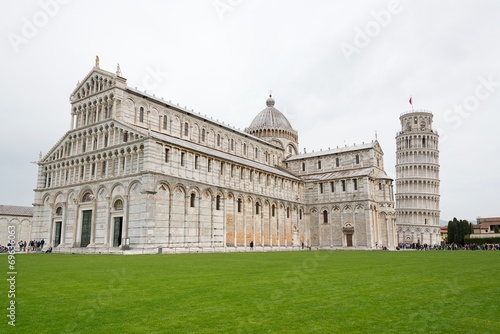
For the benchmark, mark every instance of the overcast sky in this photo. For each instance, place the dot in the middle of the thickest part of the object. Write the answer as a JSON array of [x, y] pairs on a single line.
[[340, 71]]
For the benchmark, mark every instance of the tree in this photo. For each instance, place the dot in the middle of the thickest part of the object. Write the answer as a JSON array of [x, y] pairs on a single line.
[[457, 230]]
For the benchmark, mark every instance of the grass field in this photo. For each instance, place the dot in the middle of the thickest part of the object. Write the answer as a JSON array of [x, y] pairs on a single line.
[[279, 292]]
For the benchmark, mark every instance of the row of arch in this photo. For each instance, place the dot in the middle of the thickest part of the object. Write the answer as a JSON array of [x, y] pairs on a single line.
[[418, 171], [412, 141], [95, 84], [417, 157], [96, 110], [194, 216], [227, 173], [420, 186], [417, 229], [96, 138], [288, 134], [116, 162]]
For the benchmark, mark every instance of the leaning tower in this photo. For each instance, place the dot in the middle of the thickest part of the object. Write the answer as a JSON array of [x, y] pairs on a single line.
[[417, 180]]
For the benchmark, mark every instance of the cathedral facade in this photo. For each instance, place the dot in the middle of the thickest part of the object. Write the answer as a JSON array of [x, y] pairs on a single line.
[[135, 172]]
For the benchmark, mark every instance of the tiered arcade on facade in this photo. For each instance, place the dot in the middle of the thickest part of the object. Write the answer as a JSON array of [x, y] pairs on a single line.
[[417, 180], [137, 172]]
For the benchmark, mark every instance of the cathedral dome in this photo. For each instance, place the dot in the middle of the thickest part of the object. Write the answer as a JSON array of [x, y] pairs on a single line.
[[270, 118]]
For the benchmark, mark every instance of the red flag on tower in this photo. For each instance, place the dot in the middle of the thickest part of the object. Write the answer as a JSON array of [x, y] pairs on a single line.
[[411, 101]]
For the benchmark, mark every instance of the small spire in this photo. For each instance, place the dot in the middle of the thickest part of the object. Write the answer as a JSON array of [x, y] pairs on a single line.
[[97, 61], [118, 70], [270, 100]]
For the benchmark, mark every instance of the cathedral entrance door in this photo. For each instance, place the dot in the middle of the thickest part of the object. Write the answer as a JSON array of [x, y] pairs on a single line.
[[86, 222], [57, 237], [348, 238], [117, 232]]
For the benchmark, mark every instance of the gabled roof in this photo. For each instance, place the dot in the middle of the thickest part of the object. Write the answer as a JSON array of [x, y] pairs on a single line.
[[347, 173], [341, 174], [12, 210], [364, 146], [198, 115], [94, 70]]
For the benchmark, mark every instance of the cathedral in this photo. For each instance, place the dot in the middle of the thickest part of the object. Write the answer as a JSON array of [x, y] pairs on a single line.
[[135, 173]]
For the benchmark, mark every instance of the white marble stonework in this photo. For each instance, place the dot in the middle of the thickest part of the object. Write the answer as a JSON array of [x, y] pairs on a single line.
[[136, 172], [417, 180]]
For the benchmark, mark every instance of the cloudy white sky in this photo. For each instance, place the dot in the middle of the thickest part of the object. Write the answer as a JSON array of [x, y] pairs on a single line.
[[339, 70]]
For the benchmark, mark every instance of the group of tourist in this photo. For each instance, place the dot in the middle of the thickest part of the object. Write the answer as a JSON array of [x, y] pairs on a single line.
[[25, 246], [472, 247], [417, 246], [31, 246]]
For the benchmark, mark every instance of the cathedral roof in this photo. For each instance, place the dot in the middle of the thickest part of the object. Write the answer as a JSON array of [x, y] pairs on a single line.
[[12, 210], [270, 118], [217, 153], [339, 174], [349, 173], [373, 144]]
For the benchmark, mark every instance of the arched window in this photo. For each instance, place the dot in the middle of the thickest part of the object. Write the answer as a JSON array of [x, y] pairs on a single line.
[[357, 158], [239, 204], [273, 211], [165, 122], [257, 208], [300, 214], [118, 205], [193, 197], [87, 197], [203, 135], [217, 202], [182, 158], [218, 139], [59, 211], [325, 217], [141, 114], [186, 129], [287, 212]]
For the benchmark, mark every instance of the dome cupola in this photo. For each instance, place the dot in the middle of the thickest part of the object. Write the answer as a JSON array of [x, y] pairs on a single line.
[[270, 118], [272, 126]]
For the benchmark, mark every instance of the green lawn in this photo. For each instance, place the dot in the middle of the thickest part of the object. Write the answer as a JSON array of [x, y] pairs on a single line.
[[279, 292]]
